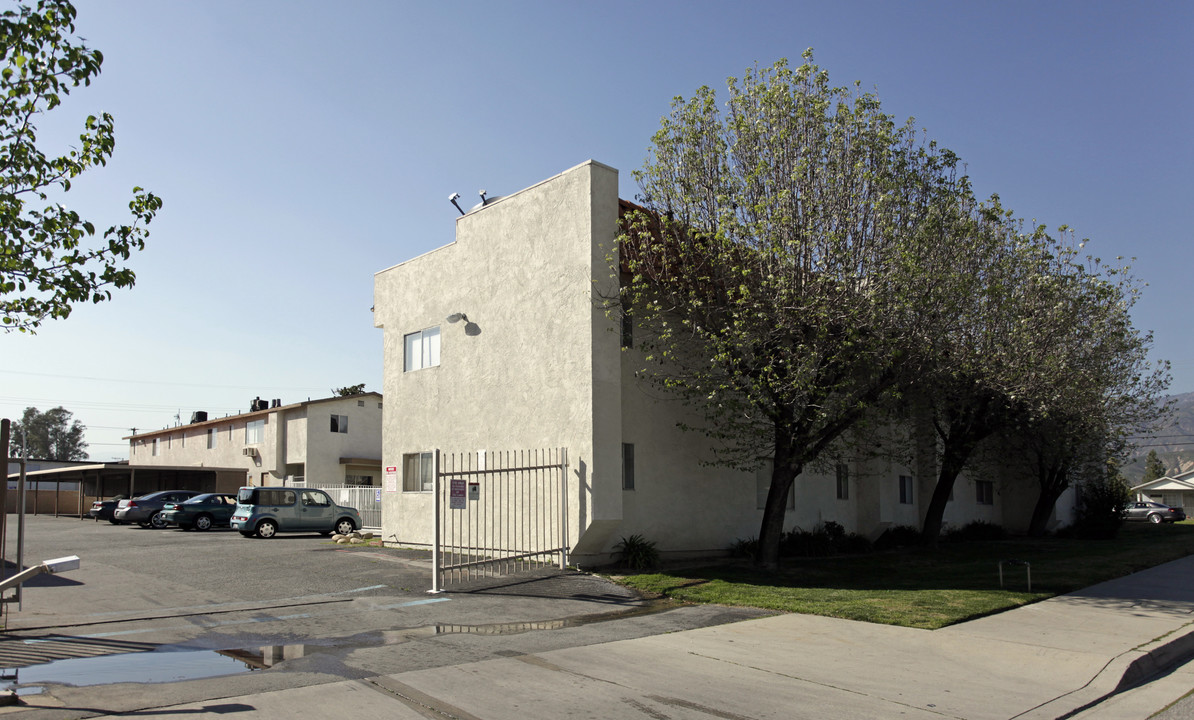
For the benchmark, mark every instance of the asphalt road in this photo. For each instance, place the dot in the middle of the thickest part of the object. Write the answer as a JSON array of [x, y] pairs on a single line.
[[292, 611]]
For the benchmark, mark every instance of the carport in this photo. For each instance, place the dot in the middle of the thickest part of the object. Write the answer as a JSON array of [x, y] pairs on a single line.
[[71, 490]]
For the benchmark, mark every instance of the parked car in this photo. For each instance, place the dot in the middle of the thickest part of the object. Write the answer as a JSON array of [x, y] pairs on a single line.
[[1153, 512], [103, 509], [201, 512], [146, 510], [267, 511]]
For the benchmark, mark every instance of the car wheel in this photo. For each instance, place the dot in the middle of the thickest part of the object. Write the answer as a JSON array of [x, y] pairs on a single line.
[[345, 526], [203, 522], [266, 529], [156, 521], [1155, 518]]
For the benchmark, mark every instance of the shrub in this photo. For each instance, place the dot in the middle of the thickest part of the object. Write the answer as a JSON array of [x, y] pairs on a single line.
[[748, 548], [1100, 513], [977, 531], [828, 538], [899, 536], [637, 553]]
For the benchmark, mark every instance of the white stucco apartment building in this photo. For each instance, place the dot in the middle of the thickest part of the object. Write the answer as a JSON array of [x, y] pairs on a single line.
[[330, 441], [499, 341]]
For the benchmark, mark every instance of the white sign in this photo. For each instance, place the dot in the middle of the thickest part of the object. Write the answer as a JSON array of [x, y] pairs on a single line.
[[391, 481]]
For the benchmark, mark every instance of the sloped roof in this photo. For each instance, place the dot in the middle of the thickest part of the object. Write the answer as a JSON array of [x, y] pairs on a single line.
[[1168, 483]]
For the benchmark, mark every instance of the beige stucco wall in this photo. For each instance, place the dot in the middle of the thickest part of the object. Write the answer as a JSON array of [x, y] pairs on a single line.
[[291, 434], [325, 448], [538, 367]]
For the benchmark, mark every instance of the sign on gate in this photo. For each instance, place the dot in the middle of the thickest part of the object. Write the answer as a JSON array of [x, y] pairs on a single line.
[[518, 523], [456, 501]]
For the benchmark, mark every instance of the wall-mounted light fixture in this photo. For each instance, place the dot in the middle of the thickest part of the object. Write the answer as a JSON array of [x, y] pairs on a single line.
[[457, 317]]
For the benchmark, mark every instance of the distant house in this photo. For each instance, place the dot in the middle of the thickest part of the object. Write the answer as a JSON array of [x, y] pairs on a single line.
[[499, 341], [1176, 491], [330, 441]]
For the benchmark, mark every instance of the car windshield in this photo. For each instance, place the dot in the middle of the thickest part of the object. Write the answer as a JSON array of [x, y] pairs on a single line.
[[199, 499]]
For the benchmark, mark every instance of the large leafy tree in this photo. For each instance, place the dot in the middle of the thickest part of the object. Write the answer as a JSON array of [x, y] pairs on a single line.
[[777, 277], [1103, 389], [52, 435], [50, 257]]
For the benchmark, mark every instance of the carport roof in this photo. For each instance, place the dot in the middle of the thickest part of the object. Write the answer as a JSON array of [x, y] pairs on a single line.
[[119, 467]]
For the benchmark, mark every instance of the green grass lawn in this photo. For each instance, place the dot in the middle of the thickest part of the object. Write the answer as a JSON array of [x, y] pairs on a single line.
[[925, 588]]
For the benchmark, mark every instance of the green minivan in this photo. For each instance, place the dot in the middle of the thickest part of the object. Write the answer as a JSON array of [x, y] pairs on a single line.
[[267, 511]]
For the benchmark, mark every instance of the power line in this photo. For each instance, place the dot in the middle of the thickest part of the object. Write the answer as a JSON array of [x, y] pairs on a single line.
[[304, 388]]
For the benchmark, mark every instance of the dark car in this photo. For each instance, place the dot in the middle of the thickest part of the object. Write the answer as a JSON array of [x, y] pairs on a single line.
[[201, 512], [103, 509], [146, 510], [1153, 512]]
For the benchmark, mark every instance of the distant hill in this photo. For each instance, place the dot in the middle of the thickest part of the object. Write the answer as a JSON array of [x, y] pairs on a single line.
[[1174, 444]]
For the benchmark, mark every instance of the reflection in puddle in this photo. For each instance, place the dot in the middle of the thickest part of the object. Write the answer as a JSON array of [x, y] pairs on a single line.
[[174, 664], [500, 628], [157, 666]]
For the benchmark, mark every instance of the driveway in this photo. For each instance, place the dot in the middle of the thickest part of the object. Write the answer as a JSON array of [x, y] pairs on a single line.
[[305, 610]]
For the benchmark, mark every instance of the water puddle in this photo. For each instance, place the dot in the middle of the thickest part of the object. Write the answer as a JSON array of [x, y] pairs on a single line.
[[157, 666], [175, 664], [651, 607]]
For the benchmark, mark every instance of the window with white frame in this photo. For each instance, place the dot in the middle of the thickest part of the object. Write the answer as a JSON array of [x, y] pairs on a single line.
[[211, 438], [905, 490], [422, 349], [418, 472], [254, 431], [339, 423], [843, 481], [984, 492], [763, 485]]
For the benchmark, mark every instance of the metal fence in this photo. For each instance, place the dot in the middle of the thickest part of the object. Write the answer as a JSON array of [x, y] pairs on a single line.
[[365, 498], [499, 513]]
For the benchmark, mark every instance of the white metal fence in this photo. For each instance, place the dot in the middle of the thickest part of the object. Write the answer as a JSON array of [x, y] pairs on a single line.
[[365, 498], [499, 513]]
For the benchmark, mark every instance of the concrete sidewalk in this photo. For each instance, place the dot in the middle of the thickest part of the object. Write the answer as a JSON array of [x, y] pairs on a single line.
[[1072, 656]]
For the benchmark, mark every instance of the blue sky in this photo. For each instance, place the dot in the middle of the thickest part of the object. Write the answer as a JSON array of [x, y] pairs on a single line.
[[302, 146]]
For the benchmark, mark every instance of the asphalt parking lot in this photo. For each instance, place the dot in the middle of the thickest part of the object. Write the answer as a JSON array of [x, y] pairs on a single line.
[[295, 610]]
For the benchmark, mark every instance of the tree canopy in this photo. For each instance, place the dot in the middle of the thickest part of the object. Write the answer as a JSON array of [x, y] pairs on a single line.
[[52, 435], [349, 390], [776, 271], [802, 263], [50, 257]]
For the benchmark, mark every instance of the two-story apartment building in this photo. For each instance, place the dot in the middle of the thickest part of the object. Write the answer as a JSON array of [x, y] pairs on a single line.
[[329, 441], [500, 340]]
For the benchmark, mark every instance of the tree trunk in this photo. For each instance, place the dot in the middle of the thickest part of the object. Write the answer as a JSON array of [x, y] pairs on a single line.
[[1053, 483], [783, 475], [952, 461]]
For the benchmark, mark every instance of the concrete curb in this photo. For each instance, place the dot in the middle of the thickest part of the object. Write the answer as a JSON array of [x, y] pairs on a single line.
[[1122, 673]]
